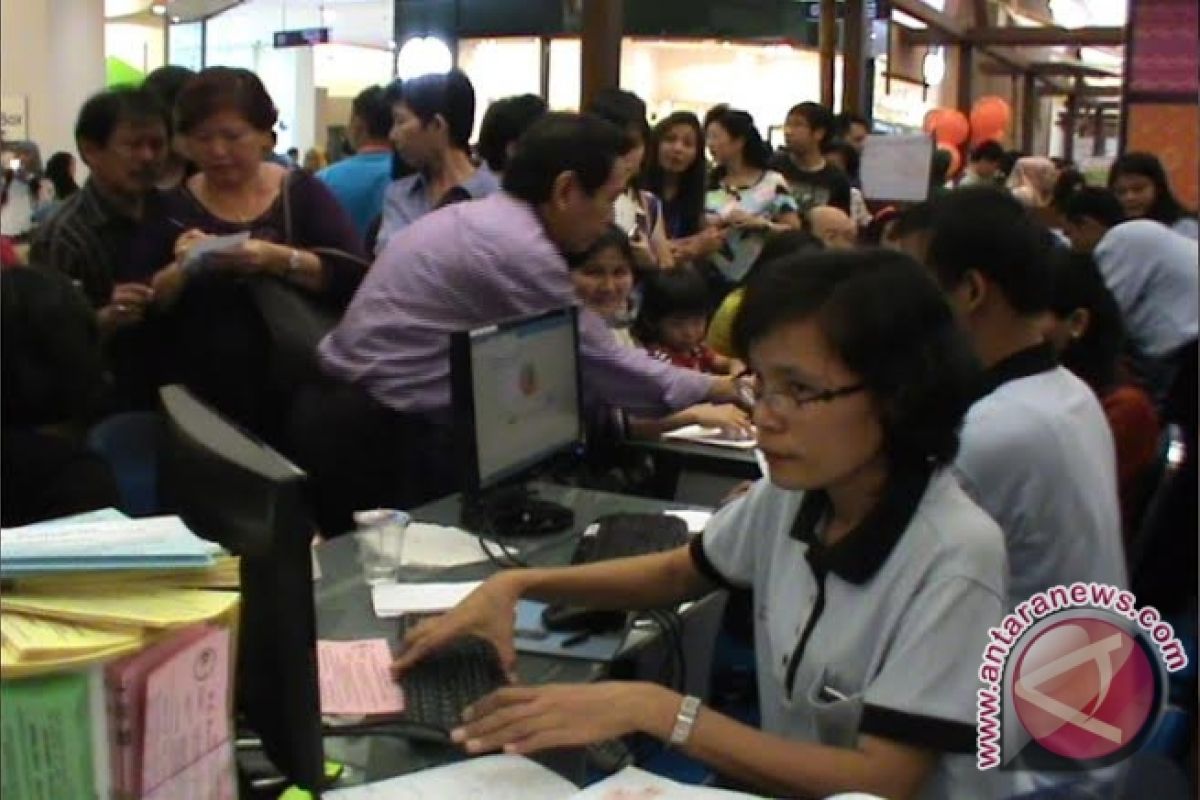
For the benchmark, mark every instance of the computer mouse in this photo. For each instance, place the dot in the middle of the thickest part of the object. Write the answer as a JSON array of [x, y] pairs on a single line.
[[577, 618]]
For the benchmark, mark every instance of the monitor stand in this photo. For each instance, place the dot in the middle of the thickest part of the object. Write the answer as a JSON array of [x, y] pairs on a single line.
[[513, 511]]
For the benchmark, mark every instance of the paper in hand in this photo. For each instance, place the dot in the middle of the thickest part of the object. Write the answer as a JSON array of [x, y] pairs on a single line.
[[198, 253]]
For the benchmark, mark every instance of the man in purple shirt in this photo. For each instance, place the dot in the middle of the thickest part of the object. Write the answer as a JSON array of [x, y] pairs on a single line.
[[382, 434]]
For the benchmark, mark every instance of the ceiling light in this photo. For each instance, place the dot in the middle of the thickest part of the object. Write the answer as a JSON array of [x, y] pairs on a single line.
[[158, 9]]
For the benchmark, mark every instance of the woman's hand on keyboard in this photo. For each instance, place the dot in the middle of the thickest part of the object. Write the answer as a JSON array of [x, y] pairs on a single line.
[[524, 720], [489, 612]]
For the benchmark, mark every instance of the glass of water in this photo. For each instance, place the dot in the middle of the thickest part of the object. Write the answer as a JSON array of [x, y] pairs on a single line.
[[381, 543]]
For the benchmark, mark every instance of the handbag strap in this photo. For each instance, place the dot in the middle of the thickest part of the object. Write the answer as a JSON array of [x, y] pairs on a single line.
[[287, 209]]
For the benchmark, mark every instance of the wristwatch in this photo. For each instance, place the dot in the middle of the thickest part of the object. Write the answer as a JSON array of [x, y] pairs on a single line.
[[685, 720], [293, 262]]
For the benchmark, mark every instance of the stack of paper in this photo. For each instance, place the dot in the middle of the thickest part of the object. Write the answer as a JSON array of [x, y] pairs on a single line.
[[154, 542], [713, 436], [502, 777], [398, 599]]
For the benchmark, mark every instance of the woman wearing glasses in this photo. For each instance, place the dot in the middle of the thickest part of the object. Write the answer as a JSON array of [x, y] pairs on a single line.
[[875, 578]]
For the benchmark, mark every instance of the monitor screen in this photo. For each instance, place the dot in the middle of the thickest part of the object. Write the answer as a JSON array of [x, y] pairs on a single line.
[[522, 398]]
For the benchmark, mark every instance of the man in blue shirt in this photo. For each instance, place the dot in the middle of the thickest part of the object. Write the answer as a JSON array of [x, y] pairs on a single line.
[[359, 182], [432, 119]]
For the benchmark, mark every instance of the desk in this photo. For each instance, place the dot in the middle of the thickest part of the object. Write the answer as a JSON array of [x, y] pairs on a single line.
[[344, 611], [693, 472]]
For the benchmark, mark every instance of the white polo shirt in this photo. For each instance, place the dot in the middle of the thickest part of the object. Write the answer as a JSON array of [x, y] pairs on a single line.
[[1152, 273], [880, 634], [1037, 453]]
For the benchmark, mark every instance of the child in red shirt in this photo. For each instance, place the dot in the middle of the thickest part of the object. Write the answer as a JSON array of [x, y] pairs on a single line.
[[672, 321]]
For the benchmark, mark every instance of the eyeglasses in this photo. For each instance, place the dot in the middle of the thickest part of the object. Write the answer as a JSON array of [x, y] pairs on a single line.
[[790, 398]]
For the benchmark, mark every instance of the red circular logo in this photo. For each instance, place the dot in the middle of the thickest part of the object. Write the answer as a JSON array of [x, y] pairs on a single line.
[[1084, 688]]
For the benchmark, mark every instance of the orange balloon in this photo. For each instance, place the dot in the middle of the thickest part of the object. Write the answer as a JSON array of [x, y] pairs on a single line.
[[989, 116], [931, 119], [955, 158], [951, 127]]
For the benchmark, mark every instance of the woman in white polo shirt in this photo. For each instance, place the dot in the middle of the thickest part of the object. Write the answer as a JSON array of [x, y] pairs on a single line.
[[875, 578]]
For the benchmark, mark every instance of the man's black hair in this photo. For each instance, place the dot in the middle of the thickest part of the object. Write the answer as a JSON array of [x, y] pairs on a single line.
[[503, 123], [166, 83], [560, 142], [988, 151], [622, 108], [891, 325], [818, 117], [986, 229], [848, 118], [449, 95], [103, 112], [1093, 202], [373, 107]]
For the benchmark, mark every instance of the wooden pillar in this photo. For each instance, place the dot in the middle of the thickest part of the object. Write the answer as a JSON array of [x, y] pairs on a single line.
[[966, 68], [854, 62], [544, 67], [1100, 135], [1029, 111], [828, 45], [600, 53], [1071, 121]]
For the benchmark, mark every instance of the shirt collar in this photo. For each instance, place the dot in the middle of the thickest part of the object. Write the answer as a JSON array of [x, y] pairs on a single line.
[[1021, 364], [103, 211], [858, 555], [479, 184]]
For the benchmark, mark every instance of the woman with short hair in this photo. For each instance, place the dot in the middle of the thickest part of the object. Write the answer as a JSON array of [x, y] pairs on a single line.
[[873, 573]]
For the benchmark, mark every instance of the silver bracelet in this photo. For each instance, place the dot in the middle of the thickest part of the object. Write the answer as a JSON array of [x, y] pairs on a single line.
[[685, 720], [293, 262]]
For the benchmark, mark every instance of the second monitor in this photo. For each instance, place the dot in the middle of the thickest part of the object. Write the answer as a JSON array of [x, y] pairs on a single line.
[[517, 405]]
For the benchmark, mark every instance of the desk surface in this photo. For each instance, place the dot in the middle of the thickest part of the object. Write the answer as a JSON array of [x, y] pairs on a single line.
[[344, 611], [723, 460]]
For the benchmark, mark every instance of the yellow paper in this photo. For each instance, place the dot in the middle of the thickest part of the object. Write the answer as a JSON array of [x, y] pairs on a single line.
[[146, 608], [223, 574], [12, 665], [37, 638]]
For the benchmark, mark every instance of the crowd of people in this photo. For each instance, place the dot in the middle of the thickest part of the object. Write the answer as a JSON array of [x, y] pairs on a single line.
[[961, 402]]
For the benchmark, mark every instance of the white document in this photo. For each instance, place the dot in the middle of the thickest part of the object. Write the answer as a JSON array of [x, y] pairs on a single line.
[[696, 520], [398, 599], [632, 783], [153, 535], [897, 167], [713, 436], [428, 545], [213, 244], [498, 777]]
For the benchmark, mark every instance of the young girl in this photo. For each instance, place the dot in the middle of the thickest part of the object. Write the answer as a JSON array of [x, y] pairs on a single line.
[[673, 320], [1140, 183], [637, 213], [678, 174], [604, 279]]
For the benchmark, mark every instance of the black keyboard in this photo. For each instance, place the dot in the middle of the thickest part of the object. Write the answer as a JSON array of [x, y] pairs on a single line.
[[624, 535], [441, 685]]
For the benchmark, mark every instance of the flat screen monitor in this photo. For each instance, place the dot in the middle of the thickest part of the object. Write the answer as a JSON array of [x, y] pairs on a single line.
[[234, 490], [516, 394]]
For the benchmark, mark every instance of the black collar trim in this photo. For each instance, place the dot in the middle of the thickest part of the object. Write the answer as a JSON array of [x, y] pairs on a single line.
[[1021, 364], [859, 554]]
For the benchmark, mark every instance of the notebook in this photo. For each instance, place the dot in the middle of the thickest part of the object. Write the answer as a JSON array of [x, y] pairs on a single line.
[[153, 542]]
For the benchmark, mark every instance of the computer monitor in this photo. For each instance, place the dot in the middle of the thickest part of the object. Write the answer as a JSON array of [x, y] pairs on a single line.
[[516, 398], [234, 490]]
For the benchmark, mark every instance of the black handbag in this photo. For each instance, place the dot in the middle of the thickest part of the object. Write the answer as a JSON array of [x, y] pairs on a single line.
[[296, 321]]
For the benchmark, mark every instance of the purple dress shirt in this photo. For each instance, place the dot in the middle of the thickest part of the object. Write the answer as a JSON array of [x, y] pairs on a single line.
[[470, 265]]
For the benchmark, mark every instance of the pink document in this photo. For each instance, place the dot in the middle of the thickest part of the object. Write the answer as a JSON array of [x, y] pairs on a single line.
[[125, 681], [355, 678], [187, 708]]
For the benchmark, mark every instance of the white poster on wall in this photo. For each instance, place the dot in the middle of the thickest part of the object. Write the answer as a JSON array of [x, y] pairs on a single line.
[[13, 121]]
